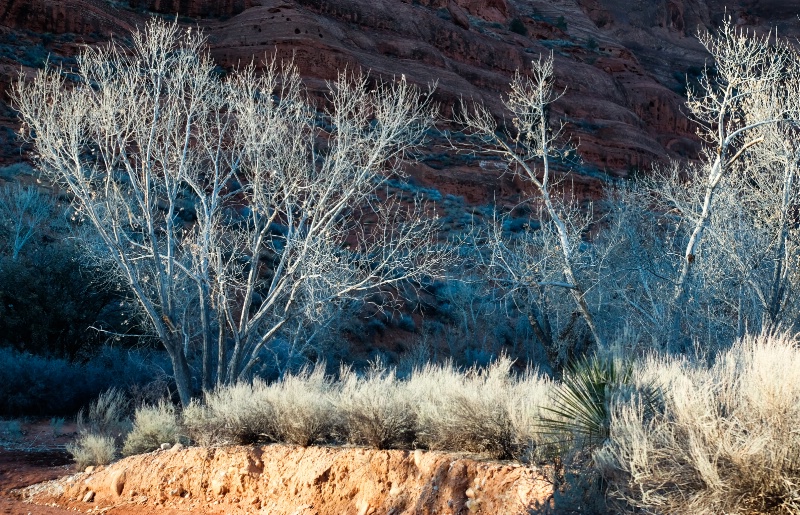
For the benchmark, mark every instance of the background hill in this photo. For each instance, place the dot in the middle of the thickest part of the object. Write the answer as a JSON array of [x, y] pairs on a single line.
[[623, 64]]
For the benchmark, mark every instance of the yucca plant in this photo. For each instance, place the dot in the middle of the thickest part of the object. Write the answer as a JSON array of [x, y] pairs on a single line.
[[581, 404]]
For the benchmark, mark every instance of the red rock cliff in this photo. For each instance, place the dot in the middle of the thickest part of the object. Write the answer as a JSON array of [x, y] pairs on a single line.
[[622, 64]]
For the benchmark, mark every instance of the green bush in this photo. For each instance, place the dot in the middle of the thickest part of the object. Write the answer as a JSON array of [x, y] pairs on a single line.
[[518, 26], [35, 385], [48, 303]]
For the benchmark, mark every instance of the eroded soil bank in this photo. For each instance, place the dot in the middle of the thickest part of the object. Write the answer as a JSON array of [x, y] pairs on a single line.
[[279, 479]]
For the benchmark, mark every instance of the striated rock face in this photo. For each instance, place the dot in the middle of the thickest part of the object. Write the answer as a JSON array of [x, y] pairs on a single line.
[[195, 8], [279, 479], [623, 64], [619, 113], [62, 16]]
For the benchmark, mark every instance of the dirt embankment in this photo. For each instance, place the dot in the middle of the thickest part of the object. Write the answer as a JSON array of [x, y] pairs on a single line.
[[280, 479]]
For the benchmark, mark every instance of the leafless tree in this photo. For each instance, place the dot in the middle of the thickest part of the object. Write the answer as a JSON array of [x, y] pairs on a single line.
[[24, 211], [742, 93], [528, 146], [704, 250], [232, 207]]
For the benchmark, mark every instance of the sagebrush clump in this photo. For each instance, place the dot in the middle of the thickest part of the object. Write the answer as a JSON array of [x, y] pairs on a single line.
[[491, 411], [238, 414], [376, 410], [152, 427], [92, 449], [725, 439]]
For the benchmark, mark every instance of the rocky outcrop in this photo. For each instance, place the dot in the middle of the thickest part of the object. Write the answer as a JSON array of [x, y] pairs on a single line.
[[64, 16]]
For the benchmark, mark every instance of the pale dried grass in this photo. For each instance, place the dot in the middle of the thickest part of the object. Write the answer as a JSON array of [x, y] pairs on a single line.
[[302, 407], [376, 410], [490, 411], [486, 411], [152, 426], [726, 439], [237, 414], [107, 415], [92, 449]]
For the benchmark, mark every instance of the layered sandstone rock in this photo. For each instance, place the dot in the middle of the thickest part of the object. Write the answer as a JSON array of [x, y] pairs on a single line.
[[623, 65], [64, 16]]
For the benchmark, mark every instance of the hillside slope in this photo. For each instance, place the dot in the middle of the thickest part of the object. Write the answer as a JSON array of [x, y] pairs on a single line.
[[623, 65]]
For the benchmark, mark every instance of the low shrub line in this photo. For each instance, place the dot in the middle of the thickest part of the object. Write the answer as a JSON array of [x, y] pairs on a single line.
[[668, 434]]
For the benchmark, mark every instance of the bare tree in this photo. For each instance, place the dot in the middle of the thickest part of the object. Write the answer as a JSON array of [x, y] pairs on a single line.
[[25, 211], [704, 250], [528, 147], [739, 94], [232, 207]]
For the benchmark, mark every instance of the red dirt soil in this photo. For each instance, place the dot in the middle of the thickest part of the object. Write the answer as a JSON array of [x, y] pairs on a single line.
[[279, 479], [19, 469], [35, 455]]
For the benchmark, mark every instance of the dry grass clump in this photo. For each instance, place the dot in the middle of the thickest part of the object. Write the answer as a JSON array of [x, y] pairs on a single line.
[[101, 427], [484, 411], [92, 449], [725, 441], [376, 410], [297, 409], [238, 414], [302, 407], [107, 415], [152, 426], [487, 411], [530, 397]]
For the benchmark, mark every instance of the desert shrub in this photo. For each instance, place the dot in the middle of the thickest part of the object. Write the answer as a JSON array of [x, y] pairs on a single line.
[[376, 410], [472, 411], [152, 426], [490, 411], [725, 440], [296, 409], [10, 431], [237, 414], [34, 385], [107, 415], [518, 26], [530, 397], [201, 426], [48, 296], [302, 409], [92, 449]]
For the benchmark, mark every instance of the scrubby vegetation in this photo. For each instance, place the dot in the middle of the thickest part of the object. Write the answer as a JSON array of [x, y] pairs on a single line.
[[90, 449], [667, 435], [724, 438], [628, 318], [33, 385], [153, 426], [488, 411]]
